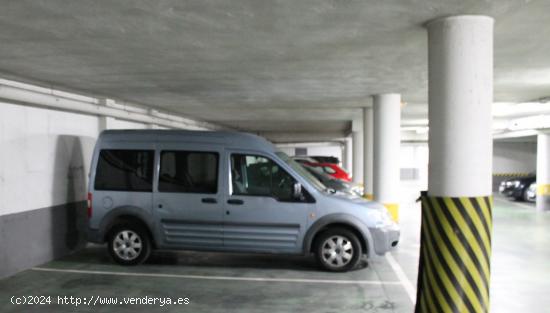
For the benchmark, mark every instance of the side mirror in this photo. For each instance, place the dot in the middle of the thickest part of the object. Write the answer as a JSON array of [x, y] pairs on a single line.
[[297, 191]]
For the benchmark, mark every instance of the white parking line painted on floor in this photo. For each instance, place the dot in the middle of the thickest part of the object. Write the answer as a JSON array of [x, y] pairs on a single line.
[[404, 281], [229, 278], [523, 205]]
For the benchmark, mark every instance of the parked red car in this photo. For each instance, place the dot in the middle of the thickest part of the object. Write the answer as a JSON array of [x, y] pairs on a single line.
[[329, 168]]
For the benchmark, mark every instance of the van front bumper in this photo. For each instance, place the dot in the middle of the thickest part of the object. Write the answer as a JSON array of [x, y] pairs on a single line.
[[385, 238]]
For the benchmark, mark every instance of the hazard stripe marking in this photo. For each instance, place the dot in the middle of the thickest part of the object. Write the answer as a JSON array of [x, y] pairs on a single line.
[[455, 252]]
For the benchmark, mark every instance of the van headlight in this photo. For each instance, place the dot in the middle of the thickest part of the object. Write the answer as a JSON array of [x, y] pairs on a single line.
[[380, 218]]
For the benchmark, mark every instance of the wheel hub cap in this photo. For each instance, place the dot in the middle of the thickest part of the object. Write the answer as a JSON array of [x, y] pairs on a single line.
[[337, 251], [127, 245]]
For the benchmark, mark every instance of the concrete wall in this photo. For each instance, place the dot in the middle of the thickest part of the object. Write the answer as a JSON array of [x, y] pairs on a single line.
[[288, 150], [328, 149], [44, 163], [508, 158], [511, 159], [514, 157], [45, 158], [335, 151], [414, 163]]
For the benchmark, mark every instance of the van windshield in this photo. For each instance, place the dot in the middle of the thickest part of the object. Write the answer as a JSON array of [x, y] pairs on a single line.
[[301, 171]]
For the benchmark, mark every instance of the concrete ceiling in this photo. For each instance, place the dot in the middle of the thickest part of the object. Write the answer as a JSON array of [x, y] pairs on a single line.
[[306, 66]]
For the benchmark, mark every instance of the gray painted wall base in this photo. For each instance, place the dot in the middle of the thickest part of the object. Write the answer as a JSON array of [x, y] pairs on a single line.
[[35, 237]]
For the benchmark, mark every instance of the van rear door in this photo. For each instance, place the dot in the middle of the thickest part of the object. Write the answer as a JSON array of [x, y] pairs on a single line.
[[123, 179]]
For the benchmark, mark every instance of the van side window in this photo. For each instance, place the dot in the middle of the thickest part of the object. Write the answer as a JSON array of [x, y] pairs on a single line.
[[188, 172], [258, 176], [125, 170]]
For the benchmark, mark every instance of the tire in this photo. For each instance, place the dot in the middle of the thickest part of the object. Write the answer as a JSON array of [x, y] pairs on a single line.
[[525, 196], [338, 250], [129, 244], [520, 196]]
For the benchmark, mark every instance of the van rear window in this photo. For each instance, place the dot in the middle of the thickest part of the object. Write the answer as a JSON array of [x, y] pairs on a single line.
[[125, 170]]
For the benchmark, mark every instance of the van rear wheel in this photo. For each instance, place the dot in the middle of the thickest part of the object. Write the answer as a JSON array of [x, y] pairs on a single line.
[[129, 244], [338, 250]]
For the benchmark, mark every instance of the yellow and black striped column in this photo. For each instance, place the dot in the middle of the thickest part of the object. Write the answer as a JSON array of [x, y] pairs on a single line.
[[455, 252], [456, 212]]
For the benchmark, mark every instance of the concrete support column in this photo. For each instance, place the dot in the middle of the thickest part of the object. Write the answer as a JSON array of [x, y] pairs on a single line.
[[105, 122], [460, 98], [368, 147], [386, 142], [543, 172], [456, 211], [347, 155], [357, 150]]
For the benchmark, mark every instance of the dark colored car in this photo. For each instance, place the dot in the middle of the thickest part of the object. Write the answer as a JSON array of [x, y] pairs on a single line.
[[517, 187], [326, 159]]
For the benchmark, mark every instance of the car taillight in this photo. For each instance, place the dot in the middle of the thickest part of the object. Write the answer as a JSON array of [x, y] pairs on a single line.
[[89, 204]]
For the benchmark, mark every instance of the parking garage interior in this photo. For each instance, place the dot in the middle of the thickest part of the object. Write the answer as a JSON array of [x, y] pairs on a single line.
[[448, 97]]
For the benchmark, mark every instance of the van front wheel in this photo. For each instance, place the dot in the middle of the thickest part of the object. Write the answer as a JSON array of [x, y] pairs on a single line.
[[338, 250], [129, 244]]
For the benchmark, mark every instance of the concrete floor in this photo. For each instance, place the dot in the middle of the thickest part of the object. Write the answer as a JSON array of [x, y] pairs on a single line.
[[254, 283]]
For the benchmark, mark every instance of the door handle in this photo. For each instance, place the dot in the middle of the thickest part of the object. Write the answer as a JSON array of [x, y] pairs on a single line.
[[235, 201], [209, 200]]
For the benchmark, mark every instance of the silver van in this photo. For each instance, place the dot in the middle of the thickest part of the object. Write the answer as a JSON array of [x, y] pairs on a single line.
[[223, 191]]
